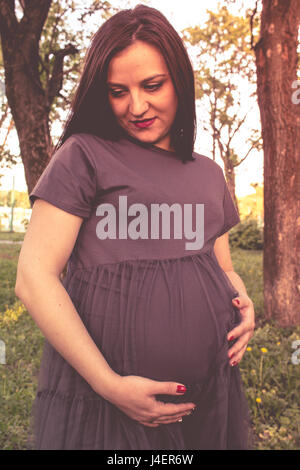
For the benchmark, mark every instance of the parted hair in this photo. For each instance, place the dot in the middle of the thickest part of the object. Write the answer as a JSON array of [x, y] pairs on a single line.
[[90, 110]]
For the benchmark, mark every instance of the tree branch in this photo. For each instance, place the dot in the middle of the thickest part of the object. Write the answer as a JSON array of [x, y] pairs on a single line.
[[105, 7], [221, 147], [251, 25], [56, 80], [35, 15], [8, 19], [10, 126], [4, 115], [241, 122], [242, 159]]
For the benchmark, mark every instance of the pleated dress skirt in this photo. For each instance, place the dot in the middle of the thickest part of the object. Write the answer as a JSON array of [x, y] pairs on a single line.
[[164, 319]]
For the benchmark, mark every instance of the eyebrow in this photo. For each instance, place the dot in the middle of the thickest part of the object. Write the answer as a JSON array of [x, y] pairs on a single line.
[[143, 81]]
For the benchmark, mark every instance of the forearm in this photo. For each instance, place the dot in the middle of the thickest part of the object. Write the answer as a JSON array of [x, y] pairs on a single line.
[[236, 282], [50, 306]]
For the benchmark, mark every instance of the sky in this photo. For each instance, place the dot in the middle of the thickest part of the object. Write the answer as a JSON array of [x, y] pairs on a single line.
[[181, 15]]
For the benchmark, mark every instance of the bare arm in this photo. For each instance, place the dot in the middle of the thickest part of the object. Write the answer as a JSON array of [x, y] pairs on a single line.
[[47, 246], [244, 331], [222, 252]]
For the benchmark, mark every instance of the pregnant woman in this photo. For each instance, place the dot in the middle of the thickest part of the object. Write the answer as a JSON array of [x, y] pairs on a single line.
[[144, 332]]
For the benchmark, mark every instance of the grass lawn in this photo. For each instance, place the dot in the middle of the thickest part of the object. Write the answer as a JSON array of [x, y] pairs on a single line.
[[270, 378]]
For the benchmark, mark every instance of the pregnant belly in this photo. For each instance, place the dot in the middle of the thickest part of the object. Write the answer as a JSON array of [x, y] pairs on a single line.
[[165, 320], [184, 325]]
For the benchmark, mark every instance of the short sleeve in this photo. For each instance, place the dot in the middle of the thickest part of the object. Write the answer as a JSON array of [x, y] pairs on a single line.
[[231, 216], [68, 181]]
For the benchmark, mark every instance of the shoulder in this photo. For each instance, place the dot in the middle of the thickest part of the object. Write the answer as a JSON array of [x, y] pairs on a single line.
[[95, 148], [85, 146], [80, 140], [75, 153], [87, 141], [208, 165]]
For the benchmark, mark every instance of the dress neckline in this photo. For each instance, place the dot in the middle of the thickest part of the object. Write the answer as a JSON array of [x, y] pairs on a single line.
[[149, 146]]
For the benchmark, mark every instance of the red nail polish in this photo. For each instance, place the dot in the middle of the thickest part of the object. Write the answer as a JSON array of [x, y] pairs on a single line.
[[231, 355], [231, 338], [234, 363], [237, 301], [180, 389]]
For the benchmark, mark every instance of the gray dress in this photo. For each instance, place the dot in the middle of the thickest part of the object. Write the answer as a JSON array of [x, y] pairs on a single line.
[[153, 298]]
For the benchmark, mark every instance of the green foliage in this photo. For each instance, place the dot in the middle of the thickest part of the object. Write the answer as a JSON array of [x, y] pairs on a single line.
[[20, 199], [9, 251], [247, 235], [248, 264], [8, 268], [224, 67], [25, 223], [23, 342], [272, 387], [253, 204], [69, 26]]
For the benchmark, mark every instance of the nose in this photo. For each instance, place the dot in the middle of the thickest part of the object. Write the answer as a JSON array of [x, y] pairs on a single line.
[[138, 106]]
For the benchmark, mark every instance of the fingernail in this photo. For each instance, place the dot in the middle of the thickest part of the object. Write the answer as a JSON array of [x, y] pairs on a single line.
[[231, 355], [231, 338], [180, 389], [234, 363], [237, 301]]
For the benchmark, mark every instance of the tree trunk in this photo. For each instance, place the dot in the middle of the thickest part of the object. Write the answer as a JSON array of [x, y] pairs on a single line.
[[31, 116], [276, 61], [230, 178], [25, 95], [29, 102]]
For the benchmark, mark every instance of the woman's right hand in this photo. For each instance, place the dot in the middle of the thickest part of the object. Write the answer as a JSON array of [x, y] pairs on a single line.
[[135, 396]]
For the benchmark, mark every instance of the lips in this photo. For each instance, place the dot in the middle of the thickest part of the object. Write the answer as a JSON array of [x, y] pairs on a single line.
[[144, 123]]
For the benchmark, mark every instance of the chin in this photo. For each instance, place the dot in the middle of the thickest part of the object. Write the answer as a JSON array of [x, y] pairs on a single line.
[[144, 137]]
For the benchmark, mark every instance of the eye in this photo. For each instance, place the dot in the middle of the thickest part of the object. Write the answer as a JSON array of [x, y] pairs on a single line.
[[152, 87], [115, 93]]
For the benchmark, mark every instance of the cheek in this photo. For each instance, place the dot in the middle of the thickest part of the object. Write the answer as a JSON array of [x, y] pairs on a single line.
[[116, 107], [174, 105], [170, 101]]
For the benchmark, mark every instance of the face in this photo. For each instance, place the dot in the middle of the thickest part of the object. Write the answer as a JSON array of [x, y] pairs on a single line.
[[140, 87]]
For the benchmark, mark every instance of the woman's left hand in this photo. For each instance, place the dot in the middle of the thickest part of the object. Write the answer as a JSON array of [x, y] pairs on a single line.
[[244, 330]]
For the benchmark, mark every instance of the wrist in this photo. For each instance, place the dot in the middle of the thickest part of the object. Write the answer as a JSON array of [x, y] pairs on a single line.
[[107, 385]]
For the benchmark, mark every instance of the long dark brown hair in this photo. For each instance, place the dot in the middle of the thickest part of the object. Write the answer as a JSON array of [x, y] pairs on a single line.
[[90, 109]]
